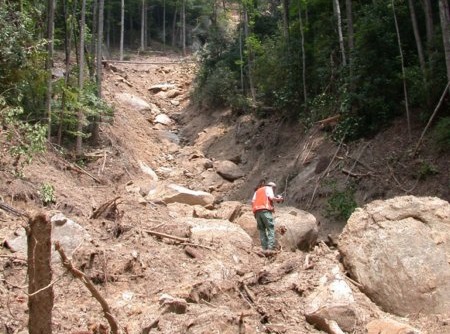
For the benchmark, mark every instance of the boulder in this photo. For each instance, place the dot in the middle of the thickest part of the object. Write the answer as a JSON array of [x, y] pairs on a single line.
[[217, 231], [247, 222], [228, 170], [296, 229], [133, 102], [64, 230], [399, 251], [389, 326], [163, 119], [332, 301], [174, 193], [229, 210]]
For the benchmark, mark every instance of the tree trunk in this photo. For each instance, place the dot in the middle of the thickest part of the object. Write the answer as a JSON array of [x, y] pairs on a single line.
[[183, 27], [405, 90], [249, 57], [122, 27], [49, 63], [95, 128], [93, 46], [412, 12], [164, 25], [350, 32], [142, 25], [40, 304], [67, 49], [286, 19], [80, 114], [174, 27], [444, 15], [337, 13], [302, 35], [429, 21]]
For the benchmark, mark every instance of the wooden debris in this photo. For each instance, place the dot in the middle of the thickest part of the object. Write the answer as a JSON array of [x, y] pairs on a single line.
[[109, 207], [192, 252], [13, 211]]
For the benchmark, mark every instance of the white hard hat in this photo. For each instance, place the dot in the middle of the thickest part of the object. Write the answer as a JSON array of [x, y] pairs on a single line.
[[271, 184]]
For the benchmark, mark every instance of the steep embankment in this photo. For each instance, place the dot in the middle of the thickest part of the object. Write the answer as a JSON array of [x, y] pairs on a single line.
[[210, 277]]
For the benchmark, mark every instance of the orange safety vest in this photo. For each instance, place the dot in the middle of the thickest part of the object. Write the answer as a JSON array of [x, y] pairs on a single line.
[[261, 201]]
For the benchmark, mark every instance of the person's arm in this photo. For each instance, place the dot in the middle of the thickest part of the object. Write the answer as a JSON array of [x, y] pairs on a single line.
[[272, 197]]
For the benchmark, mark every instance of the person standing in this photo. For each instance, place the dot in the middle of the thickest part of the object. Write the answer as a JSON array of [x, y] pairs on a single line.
[[263, 208]]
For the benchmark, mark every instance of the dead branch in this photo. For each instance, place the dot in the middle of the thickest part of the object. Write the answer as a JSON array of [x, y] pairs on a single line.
[[192, 252], [13, 211], [168, 236], [431, 118], [147, 63], [14, 258], [105, 206], [90, 286], [250, 294], [196, 245], [352, 174], [356, 161], [80, 170]]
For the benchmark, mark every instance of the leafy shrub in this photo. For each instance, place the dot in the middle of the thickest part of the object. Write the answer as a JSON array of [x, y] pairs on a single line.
[[341, 203], [47, 194], [426, 169]]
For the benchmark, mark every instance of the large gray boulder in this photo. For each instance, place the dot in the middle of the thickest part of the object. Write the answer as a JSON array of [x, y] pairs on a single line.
[[228, 170], [399, 251], [174, 193], [296, 229], [64, 230]]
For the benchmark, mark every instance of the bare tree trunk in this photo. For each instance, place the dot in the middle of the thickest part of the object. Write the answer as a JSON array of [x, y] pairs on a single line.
[[142, 25], [40, 301], [405, 90], [174, 26], [164, 25], [350, 32], [249, 57], [80, 114], [49, 63], [67, 49], [444, 15], [429, 21], [93, 46], [286, 19], [183, 27], [337, 13], [412, 12], [302, 35], [95, 128], [122, 26], [108, 27]]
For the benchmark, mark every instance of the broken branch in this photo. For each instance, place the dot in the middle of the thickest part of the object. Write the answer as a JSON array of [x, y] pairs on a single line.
[[90, 286]]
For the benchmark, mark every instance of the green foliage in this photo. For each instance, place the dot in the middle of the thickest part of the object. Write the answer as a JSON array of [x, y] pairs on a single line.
[[341, 203], [47, 194], [441, 133], [25, 139]]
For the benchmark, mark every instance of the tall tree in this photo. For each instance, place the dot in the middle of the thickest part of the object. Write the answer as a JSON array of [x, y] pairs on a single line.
[[444, 15], [302, 36], [122, 26], [405, 90], [183, 26], [350, 32], [412, 12], [143, 27], [429, 21], [80, 114], [96, 127], [49, 62], [337, 13]]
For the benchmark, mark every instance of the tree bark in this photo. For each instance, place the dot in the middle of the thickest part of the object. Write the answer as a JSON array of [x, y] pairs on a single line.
[[350, 32], [80, 114], [174, 26], [412, 12], [95, 126], [286, 19], [49, 63], [67, 49], [122, 26], [40, 304], [164, 25], [142, 25], [302, 35], [405, 90], [337, 13], [444, 15], [429, 21], [183, 27]]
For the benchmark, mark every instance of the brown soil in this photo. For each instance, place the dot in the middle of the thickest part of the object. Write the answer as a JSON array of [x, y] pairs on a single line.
[[133, 269]]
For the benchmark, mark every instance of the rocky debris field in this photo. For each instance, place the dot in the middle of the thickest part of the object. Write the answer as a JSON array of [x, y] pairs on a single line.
[[158, 219]]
